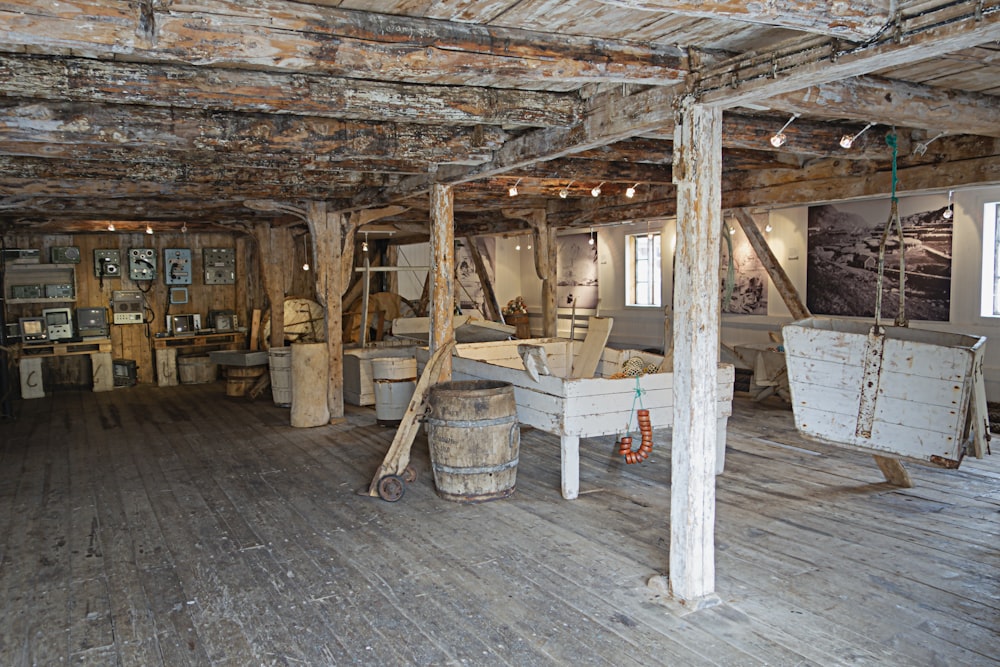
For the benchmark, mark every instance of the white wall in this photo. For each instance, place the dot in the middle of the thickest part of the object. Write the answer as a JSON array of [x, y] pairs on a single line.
[[644, 327]]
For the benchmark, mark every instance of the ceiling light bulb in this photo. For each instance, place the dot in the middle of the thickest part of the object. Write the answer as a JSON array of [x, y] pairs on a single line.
[[529, 246], [364, 246], [848, 140], [596, 190], [732, 230], [768, 228], [149, 230], [184, 228], [630, 191], [517, 247], [305, 266], [563, 193], [778, 140], [591, 240], [948, 213], [111, 226], [512, 191]]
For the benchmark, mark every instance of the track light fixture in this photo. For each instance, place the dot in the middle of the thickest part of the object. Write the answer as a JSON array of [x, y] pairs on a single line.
[[630, 191], [512, 190], [149, 230], [920, 149], [950, 211], [596, 190], [778, 139], [111, 226], [565, 191], [848, 140]]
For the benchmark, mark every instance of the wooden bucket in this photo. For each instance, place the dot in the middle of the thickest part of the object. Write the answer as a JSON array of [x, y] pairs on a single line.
[[474, 439], [240, 379], [394, 380]]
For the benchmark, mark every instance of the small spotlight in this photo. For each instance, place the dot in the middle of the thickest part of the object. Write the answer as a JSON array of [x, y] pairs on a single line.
[[305, 266], [732, 230], [591, 240], [184, 228], [768, 228], [149, 230], [778, 139], [512, 190], [518, 246], [848, 140], [111, 226], [364, 244], [630, 191], [596, 190], [565, 191], [950, 211]]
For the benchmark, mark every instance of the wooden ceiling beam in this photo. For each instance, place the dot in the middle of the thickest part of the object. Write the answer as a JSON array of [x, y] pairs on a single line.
[[301, 37], [228, 132], [187, 87], [792, 66], [855, 21]]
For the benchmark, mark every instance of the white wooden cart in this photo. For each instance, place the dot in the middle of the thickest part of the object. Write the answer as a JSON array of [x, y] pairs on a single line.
[[895, 391], [582, 407]]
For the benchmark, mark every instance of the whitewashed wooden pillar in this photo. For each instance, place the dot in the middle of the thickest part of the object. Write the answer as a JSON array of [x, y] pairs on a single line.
[[545, 267], [697, 172], [327, 233], [442, 271], [272, 271]]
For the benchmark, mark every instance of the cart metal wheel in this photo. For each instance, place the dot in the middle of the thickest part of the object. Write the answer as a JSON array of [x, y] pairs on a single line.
[[391, 488], [409, 475]]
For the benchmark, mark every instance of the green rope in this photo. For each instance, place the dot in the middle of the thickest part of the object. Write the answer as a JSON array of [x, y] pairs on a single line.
[[639, 391], [891, 140]]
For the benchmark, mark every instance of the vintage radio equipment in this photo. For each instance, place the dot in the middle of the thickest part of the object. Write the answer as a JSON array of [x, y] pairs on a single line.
[[183, 324], [108, 263], [64, 254], [124, 372], [142, 264], [26, 291], [21, 255], [177, 266], [59, 291], [58, 323], [32, 329], [12, 330], [220, 266], [92, 322], [222, 320], [127, 306]]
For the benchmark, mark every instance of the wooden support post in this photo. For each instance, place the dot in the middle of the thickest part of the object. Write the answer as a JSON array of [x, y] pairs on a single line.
[[545, 266], [492, 305], [443, 269], [269, 249], [698, 175], [326, 229], [774, 269]]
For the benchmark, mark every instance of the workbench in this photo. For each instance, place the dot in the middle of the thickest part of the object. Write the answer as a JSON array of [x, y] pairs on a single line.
[[167, 348], [30, 355]]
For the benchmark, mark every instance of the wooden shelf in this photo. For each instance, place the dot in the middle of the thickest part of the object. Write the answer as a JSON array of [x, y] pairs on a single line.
[[199, 340], [61, 349]]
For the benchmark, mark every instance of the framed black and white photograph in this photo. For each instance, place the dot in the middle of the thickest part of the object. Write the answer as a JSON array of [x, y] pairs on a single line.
[[576, 271], [469, 293], [747, 287], [844, 241]]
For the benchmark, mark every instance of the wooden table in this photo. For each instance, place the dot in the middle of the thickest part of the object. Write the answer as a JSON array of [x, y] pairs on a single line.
[[167, 348], [30, 357]]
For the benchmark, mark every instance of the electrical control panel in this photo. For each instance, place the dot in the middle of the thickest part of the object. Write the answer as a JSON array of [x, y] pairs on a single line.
[[220, 266], [67, 254], [108, 263], [142, 264], [127, 306], [177, 266]]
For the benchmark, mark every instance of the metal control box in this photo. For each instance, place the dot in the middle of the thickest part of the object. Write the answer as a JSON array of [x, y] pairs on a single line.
[[65, 254], [108, 263], [142, 264], [177, 266], [127, 306], [220, 266]]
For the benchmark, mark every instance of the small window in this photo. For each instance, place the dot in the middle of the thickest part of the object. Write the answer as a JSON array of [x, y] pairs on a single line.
[[642, 269], [991, 260]]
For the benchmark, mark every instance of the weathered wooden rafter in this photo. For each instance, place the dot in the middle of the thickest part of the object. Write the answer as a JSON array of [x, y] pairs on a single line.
[[850, 20], [231, 89], [282, 36]]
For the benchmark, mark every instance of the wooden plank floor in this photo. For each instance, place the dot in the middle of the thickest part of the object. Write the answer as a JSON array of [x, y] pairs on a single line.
[[176, 526]]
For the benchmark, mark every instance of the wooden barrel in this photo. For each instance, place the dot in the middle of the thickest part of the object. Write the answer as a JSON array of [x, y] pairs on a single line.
[[240, 379], [474, 439]]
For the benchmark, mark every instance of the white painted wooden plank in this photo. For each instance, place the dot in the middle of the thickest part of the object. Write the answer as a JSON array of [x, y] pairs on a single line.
[[598, 330], [901, 386]]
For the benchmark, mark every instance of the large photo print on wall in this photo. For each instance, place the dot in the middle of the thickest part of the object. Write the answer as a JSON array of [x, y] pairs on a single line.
[[576, 272], [844, 244]]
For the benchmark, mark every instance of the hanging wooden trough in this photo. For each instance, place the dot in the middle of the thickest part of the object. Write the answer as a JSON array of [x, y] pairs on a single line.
[[911, 393]]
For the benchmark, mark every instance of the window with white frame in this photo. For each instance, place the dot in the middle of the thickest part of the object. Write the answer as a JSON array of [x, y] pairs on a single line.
[[991, 260], [642, 270]]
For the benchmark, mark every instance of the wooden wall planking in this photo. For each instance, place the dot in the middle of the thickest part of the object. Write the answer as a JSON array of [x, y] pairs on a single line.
[[135, 341]]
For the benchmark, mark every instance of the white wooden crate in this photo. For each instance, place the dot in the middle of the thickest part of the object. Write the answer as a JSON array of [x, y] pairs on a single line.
[[918, 407], [582, 407]]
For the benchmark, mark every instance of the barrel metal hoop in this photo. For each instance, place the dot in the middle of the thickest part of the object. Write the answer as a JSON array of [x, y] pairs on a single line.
[[472, 423], [475, 471]]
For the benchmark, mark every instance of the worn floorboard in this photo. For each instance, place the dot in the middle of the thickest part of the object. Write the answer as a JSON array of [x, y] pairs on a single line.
[[178, 526]]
